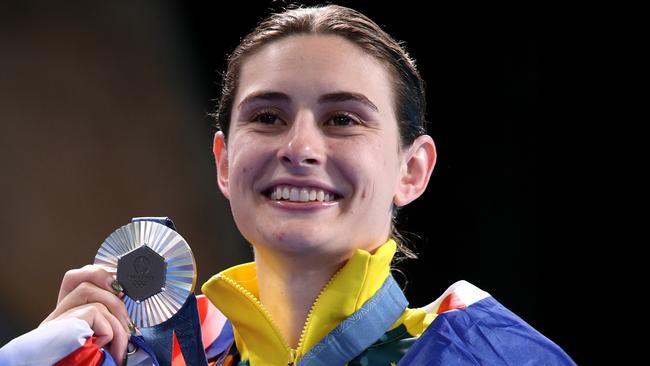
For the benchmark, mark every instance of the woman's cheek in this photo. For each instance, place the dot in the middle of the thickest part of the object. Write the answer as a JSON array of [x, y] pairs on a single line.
[[250, 163]]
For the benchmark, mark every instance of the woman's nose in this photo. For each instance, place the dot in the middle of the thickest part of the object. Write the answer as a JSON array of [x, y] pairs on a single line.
[[303, 146]]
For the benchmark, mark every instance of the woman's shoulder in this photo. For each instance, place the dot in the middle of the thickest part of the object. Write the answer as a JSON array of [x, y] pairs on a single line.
[[470, 327]]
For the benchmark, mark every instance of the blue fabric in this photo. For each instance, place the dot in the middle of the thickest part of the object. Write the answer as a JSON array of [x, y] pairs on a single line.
[[107, 360], [359, 330], [142, 345], [486, 333], [222, 343], [186, 324]]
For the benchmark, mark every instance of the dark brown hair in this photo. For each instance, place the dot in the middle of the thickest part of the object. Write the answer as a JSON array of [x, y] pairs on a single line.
[[355, 27]]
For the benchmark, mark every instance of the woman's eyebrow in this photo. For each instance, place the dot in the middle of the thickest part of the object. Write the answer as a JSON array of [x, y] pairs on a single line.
[[335, 97], [347, 96], [264, 95]]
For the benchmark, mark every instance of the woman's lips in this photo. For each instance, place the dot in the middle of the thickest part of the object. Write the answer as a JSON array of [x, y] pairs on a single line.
[[296, 194], [301, 206], [290, 197]]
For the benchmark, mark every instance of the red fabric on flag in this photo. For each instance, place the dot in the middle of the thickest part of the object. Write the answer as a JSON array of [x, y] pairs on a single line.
[[87, 355], [177, 355], [452, 301]]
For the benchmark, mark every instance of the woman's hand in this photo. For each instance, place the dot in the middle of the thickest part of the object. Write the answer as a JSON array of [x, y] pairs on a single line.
[[87, 294]]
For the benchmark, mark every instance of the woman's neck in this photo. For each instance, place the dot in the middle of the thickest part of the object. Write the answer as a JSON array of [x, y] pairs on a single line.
[[288, 287]]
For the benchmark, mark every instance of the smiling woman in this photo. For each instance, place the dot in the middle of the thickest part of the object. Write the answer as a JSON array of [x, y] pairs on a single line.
[[321, 139], [331, 127]]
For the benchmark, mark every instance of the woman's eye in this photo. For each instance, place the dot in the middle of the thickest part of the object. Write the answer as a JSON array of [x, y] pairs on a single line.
[[343, 119], [266, 118]]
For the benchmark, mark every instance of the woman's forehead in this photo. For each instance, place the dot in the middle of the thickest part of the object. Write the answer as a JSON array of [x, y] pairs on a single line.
[[310, 66]]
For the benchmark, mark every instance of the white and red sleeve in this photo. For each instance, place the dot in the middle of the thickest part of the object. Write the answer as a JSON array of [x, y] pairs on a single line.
[[48, 344]]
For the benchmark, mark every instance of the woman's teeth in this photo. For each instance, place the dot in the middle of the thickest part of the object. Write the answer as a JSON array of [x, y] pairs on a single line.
[[295, 194]]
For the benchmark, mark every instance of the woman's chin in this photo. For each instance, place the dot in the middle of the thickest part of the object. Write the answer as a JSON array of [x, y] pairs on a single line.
[[299, 243]]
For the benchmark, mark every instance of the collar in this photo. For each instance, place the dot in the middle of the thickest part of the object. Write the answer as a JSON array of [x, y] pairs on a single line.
[[235, 292]]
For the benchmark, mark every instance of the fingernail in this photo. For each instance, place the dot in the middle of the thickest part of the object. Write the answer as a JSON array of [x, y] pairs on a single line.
[[116, 286], [131, 326]]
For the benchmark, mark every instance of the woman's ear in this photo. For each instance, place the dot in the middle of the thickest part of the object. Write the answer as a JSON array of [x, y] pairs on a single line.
[[220, 151], [417, 167]]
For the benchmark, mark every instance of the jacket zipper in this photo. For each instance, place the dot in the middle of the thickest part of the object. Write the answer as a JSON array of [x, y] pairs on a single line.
[[262, 309], [311, 311], [293, 353]]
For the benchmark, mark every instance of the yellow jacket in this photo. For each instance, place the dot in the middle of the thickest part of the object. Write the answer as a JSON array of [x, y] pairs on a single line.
[[259, 341]]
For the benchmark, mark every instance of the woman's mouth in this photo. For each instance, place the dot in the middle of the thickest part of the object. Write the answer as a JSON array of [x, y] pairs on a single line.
[[300, 194]]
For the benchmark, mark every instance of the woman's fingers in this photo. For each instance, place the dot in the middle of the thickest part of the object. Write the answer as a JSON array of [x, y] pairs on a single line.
[[86, 293], [89, 294], [119, 343], [90, 273], [106, 327], [97, 321]]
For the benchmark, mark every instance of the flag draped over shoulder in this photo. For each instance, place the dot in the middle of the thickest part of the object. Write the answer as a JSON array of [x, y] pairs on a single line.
[[472, 328]]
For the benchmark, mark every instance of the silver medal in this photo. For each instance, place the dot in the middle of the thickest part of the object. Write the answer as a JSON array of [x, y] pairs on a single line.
[[155, 267]]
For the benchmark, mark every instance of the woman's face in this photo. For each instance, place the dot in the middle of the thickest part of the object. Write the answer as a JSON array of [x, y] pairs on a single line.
[[313, 162]]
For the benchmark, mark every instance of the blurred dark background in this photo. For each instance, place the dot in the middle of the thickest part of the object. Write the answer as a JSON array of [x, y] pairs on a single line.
[[103, 116]]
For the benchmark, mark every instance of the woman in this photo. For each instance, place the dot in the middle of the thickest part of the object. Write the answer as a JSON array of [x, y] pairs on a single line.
[[321, 139]]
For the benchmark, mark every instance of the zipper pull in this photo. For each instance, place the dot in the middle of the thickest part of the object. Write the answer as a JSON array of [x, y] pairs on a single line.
[[293, 354]]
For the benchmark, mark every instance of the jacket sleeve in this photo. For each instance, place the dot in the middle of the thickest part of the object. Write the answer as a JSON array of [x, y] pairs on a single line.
[[50, 343]]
